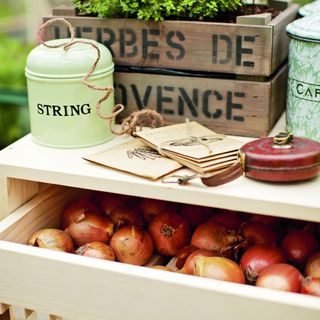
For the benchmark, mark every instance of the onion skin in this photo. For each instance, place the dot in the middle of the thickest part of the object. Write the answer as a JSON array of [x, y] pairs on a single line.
[[256, 232], [313, 266], [133, 245], [218, 268], [123, 216], [230, 219], [89, 228], [75, 209], [299, 246], [189, 266], [53, 239], [311, 286], [214, 236], [169, 232], [97, 250], [280, 276], [259, 257]]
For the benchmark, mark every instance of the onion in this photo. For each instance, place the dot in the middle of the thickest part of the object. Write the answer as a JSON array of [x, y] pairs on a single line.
[[256, 232], [131, 244], [152, 207], [189, 266], [53, 239], [230, 219], [214, 236], [311, 285], [258, 258], [218, 268], [299, 246], [195, 214], [169, 232], [90, 227], [160, 267], [123, 216], [107, 202], [313, 266], [97, 250], [183, 254], [280, 276], [270, 221], [75, 209]]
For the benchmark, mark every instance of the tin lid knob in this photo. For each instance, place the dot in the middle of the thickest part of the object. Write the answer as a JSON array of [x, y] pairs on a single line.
[[283, 138]]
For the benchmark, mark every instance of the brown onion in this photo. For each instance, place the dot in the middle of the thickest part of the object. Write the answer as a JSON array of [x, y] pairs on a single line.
[[97, 250], [230, 219], [169, 232], [107, 202], [76, 208], [160, 267], [280, 276], [195, 214], [311, 285], [299, 246], [53, 239], [152, 207], [258, 258], [189, 265], [270, 221], [256, 232], [214, 236], [313, 266], [90, 227], [123, 216], [218, 268], [131, 244]]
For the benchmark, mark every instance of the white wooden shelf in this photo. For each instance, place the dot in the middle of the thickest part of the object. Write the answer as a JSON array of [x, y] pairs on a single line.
[[26, 160]]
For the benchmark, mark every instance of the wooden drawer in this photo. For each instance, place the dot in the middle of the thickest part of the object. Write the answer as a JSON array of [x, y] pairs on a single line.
[[36, 182]]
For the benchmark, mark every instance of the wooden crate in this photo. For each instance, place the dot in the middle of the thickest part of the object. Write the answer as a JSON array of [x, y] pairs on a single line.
[[246, 48], [229, 106], [41, 284]]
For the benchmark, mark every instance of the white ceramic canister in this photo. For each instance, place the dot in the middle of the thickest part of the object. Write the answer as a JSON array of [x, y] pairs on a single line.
[[310, 8], [303, 97], [62, 108]]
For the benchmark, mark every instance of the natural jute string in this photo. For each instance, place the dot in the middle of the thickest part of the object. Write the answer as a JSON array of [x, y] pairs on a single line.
[[139, 118]]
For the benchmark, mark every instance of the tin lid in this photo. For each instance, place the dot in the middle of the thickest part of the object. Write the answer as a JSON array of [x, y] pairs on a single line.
[[310, 8], [74, 62], [282, 152], [306, 29]]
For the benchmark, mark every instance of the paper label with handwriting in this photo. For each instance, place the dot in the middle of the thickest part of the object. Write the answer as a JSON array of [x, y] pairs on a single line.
[[190, 140], [135, 157]]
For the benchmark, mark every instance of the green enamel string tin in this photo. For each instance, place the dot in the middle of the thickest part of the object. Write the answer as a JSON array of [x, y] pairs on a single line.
[[62, 108], [303, 100]]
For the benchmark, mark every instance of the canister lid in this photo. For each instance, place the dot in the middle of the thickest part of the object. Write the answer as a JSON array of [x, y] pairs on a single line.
[[306, 29], [74, 62], [310, 8]]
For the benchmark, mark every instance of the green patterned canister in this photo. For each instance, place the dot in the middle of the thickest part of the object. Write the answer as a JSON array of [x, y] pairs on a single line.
[[310, 8], [303, 100]]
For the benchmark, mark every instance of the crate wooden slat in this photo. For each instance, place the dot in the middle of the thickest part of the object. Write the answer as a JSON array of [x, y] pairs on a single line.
[[207, 46], [228, 106]]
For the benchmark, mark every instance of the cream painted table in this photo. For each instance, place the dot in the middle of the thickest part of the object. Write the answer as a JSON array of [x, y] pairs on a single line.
[[37, 181]]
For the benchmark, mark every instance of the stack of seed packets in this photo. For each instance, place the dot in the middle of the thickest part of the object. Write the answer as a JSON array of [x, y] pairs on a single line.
[[193, 145]]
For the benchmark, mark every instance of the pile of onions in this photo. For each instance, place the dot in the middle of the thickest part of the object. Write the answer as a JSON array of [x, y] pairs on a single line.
[[53, 239], [97, 250], [131, 244], [169, 232], [280, 276], [90, 227], [258, 257], [218, 268]]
